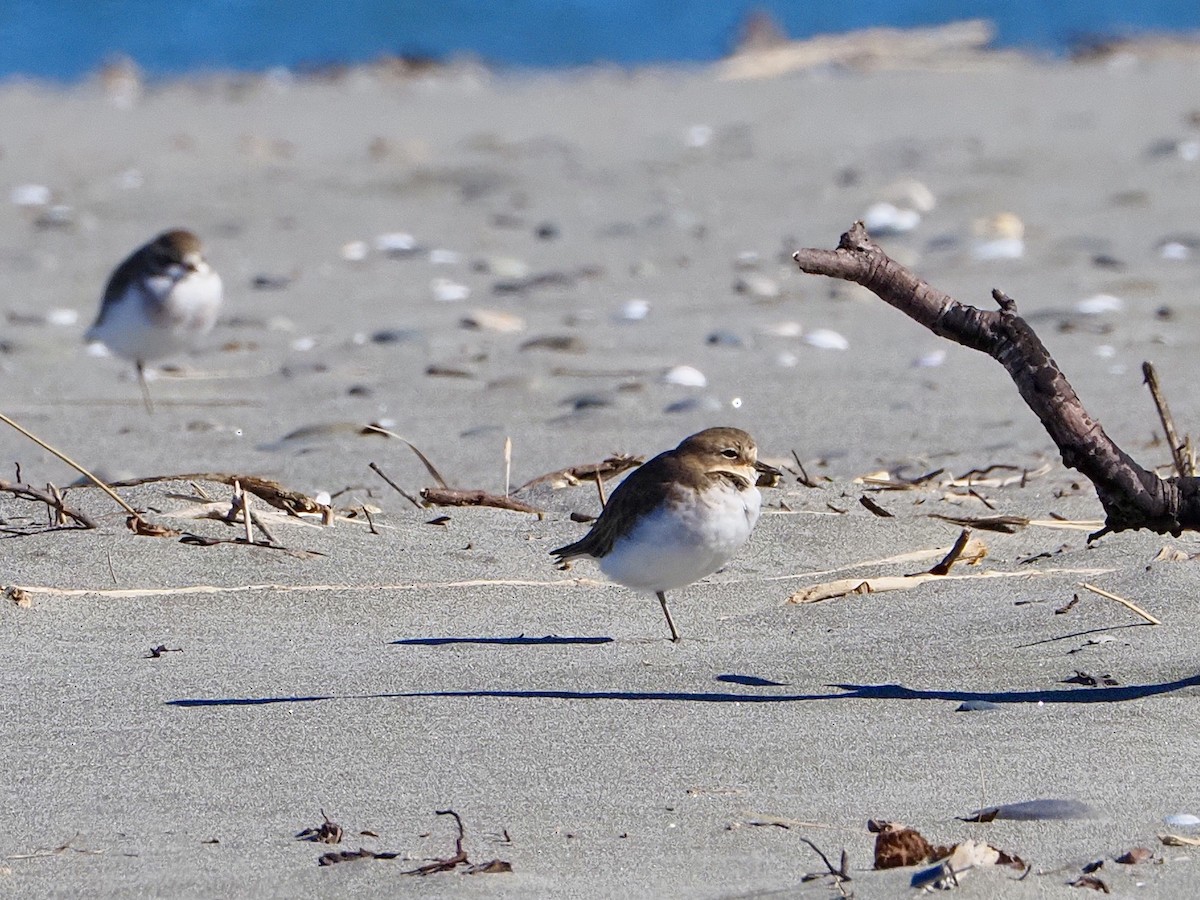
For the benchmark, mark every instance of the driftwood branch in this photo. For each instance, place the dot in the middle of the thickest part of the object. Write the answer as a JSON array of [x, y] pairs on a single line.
[[1132, 496]]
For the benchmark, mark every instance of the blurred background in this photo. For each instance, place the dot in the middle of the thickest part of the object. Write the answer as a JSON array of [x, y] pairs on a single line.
[[67, 39]]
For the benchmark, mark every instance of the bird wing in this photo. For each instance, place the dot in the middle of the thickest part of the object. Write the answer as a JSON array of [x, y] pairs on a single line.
[[636, 496]]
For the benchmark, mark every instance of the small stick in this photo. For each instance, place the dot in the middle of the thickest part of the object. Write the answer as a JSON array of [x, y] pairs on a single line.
[[1180, 458], [401, 491], [1129, 604], [28, 492], [943, 568], [370, 521], [239, 502], [600, 491], [74, 465], [804, 479], [262, 527]]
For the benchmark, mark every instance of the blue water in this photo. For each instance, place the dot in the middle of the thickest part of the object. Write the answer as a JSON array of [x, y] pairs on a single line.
[[67, 39]]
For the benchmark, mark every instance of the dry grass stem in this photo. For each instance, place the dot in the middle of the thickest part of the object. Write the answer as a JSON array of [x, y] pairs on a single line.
[[429, 467], [1128, 604], [74, 465], [846, 586], [1184, 466]]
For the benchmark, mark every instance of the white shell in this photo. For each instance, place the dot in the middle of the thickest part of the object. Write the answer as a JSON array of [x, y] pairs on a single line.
[[354, 251], [826, 339], [395, 242], [441, 257], [62, 317], [699, 135], [886, 218], [30, 195], [1182, 820], [495, 320], [1100, 304], [788, 329], [635, 310], [448, 291], [685, 376], [1000, 248]]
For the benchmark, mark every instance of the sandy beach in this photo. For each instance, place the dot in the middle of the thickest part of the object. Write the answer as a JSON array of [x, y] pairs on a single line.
[[466, 257]]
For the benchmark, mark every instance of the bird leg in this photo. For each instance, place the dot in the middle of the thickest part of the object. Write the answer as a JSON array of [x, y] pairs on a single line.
[[662, 598], [141, 373]]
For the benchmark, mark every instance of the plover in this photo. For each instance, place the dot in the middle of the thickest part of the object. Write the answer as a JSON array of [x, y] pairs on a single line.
[[679, 517], [157, 302]]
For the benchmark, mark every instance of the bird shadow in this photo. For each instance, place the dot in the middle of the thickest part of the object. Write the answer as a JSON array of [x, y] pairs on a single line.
[[894, 692]]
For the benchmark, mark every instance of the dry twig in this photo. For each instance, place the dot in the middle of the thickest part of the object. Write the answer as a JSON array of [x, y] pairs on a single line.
[[1132, 496]]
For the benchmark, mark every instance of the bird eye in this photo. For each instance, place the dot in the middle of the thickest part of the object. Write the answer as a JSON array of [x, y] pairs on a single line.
[[729, 453]]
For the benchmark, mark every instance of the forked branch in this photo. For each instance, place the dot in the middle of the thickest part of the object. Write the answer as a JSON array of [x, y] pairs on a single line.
[[1132, 496]]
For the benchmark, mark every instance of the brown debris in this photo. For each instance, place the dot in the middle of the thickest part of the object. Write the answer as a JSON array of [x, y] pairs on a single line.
[[1089, 881], [467, 497], [53, 500], [572, 476], [1178, 840], [459, 857], [1135, 856], [160, 650], [1003, 524], [270, 492], [341, 856], [328, 832], [1070, 605], [960, 545], [840, 875], [898, 845], [19, 596], [875, 507], [1087, 680], [140, 526]]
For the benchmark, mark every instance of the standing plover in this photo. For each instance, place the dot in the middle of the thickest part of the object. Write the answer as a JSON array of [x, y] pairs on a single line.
[[679, 517], [157, 302]]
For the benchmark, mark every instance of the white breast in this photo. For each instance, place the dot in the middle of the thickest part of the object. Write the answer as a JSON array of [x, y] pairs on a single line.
[[160, 316], [680, 543]]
